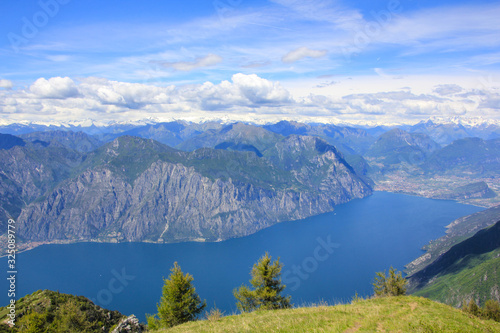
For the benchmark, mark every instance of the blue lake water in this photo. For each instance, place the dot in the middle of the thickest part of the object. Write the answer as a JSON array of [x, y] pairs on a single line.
[[327, 257]]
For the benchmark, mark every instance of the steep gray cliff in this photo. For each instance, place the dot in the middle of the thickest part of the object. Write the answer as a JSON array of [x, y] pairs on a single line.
[[139, 190]]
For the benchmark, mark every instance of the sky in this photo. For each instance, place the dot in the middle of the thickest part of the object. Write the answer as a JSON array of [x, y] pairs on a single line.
[[338, 61]]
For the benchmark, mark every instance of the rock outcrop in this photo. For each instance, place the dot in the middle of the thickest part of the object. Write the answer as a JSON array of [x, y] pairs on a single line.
[[129, 325]]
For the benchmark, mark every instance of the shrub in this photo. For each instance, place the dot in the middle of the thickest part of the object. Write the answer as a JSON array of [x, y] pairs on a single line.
[[491, 310], [392, 285], [214, 314]]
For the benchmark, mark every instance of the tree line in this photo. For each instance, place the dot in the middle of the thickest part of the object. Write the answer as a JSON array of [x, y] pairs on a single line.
[[180, 303]]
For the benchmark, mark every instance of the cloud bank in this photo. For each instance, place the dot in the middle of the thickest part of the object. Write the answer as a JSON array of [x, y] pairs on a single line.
[[244, 97], [5, 84]]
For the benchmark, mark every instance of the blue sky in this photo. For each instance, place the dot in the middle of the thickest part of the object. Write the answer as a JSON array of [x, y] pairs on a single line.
[[334, 61]]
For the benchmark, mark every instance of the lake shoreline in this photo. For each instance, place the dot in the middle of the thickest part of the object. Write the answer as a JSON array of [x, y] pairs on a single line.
[[24, 247]]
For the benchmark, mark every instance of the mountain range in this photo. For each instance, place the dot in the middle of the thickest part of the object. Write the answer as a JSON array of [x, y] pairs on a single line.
[[447, 132], [180, 181]]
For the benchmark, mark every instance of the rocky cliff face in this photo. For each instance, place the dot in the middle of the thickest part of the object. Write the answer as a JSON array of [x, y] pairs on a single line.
[[179, 196], [27, 172]]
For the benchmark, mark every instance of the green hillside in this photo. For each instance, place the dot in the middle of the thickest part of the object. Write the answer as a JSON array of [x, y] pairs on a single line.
[[459, 230], [474, 277], [467, 270], [390, 314]]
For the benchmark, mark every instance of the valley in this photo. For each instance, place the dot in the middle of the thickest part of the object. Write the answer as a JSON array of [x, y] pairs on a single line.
[[483, 191]]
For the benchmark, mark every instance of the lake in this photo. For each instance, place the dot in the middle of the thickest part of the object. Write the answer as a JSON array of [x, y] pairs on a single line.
[[327, 257]]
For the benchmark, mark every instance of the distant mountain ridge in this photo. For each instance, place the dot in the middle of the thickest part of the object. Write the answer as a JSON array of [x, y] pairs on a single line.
[[467, 155], [349, 138], [8, 141], [248, 137], [90, 122], [446, 132], [78, 141], [397, 145]]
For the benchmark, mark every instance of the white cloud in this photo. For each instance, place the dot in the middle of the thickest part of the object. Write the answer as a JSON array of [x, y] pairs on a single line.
[[258, 90], [56, 87], [301, 53], [447, 89], [6, 84], [209, 60]]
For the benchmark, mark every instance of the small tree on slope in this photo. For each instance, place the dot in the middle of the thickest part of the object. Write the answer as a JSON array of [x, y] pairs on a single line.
[[392, 285], [267, 288], [179, 301]]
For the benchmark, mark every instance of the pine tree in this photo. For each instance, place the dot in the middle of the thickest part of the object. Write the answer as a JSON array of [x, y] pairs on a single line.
[[471, 308], [392, 285], [267, 288], [179, 302]]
